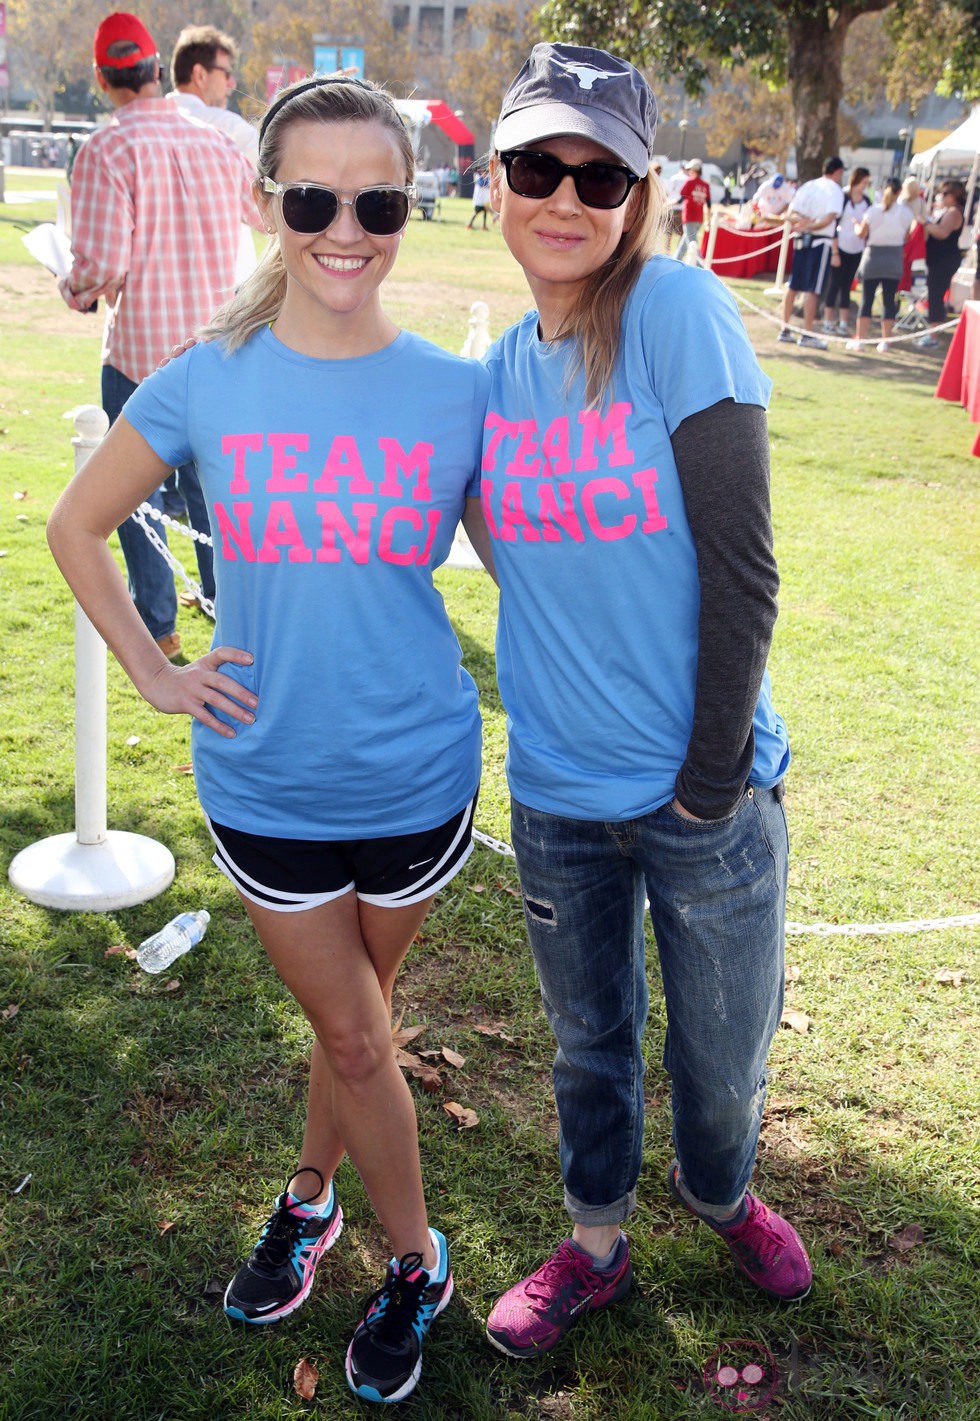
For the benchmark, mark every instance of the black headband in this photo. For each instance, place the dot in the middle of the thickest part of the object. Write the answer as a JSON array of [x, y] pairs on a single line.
[[317, 82]]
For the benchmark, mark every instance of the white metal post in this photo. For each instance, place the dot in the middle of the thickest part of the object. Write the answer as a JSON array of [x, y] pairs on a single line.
[[95, 869]]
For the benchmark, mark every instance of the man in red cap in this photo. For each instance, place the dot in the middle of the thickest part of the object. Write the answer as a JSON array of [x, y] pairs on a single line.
[[157, 200]]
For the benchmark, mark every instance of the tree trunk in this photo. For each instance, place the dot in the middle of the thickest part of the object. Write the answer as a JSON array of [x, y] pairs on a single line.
[[814, 64]]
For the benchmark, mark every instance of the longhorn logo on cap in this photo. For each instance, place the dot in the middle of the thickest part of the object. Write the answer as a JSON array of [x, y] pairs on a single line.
[[587, 74]]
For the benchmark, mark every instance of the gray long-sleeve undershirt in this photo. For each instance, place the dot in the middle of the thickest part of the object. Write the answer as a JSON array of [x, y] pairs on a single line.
[[722, 456]]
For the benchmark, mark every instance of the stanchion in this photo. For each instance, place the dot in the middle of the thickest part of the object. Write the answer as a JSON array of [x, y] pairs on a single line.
[[95, 869], [778, 287], [709, 250]]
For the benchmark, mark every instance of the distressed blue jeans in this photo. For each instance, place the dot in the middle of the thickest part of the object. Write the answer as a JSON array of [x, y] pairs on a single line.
[[151, 582], [717, 895]]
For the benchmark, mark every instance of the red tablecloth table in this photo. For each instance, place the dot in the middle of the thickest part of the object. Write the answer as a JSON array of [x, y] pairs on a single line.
[[738, 250], [959, 379]]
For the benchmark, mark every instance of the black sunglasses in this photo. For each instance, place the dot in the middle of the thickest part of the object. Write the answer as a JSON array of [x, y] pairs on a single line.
[[603, 185], [381, 211]]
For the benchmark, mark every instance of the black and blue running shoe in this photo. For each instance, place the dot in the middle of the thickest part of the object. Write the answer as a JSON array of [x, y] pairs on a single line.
[[384, 1360], [276, 1279]]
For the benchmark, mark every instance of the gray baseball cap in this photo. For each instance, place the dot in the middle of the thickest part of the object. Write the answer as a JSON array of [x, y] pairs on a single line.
[[569, 89]]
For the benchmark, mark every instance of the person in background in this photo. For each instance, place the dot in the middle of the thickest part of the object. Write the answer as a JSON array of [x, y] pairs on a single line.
[[845, 252], [695, 202], [915, 242], [752, 179], [156, 208], [481, 199], [673, 187], [336, 736], [773, 198], [626, 465], [202, 71], [884, 227], [813, 216], [911, 195], [943, 255]]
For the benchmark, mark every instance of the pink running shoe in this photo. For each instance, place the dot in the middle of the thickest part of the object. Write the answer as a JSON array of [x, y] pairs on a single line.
[[764, 1246], [537, 1312]]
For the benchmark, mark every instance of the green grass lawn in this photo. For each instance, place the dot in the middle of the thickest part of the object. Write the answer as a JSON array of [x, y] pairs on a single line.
[[157, 1118]]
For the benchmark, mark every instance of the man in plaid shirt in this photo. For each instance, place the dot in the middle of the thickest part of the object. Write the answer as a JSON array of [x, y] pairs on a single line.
[[157, 201]]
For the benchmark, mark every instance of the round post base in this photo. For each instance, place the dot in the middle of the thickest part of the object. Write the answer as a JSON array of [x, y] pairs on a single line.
[[123, 870]]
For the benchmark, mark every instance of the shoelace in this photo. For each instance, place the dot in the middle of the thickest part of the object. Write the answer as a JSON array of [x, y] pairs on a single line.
[[765, 1246], [277, 1243], [566, 1266], [393, 1309]]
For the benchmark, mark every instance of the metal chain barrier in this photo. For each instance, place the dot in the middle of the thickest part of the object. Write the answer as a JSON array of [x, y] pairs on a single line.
[[194, 588]]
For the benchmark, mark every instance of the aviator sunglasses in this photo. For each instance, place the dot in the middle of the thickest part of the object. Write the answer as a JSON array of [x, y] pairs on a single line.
[[381, 211], [603, 185]]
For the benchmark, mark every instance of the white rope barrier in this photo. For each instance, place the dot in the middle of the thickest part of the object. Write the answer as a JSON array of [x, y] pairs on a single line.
[[778, 289], [920, 925], [777, 320]]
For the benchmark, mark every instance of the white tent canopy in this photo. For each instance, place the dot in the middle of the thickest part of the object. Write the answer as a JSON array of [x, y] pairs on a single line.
[[962, 144]]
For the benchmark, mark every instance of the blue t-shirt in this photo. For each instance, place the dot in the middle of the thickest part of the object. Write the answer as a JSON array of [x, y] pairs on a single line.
[[334, 488], [597, 640]]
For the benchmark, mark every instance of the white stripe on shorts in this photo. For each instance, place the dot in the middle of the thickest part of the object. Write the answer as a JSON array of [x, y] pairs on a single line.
[[257, 892], [438, 876]]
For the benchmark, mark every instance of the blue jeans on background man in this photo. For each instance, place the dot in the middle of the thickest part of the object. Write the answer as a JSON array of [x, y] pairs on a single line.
[[151, 581], [717, 894]]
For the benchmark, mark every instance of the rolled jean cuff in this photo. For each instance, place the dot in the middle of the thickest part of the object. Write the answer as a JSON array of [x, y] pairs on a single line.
[[593, 1216], [707, 1211]]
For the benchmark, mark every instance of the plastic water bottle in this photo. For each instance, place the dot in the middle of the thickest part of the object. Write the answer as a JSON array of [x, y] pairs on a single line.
[[178, 937]]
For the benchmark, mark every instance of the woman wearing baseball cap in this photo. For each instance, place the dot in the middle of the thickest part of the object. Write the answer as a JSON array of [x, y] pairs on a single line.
[[626, 490]]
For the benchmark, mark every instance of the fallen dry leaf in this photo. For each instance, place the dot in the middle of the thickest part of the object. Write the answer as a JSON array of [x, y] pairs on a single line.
[[305, 1378], [796, 1020], [557, 1407], [120, 950], [464, 1117], [453, 1057], [427, 1076], [478, 888], [165, 1225], [429, 1079], [950, 976], [498, 1030], [187, 769], [10, 1012], [172, 986], [401, 1036], [910, 1237]]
